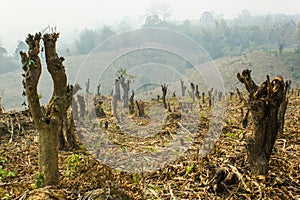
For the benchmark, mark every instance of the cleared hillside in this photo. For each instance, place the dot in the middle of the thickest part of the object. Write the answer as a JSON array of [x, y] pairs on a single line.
[[80, 68]]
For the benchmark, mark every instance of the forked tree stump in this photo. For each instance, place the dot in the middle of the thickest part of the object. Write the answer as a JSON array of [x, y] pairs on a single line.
[[53, 121], [266, 105], [164, 89]]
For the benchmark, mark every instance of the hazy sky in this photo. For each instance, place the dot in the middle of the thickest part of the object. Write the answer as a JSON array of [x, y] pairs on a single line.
[[19, 17]]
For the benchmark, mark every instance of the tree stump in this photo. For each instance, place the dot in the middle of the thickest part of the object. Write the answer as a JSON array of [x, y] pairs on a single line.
[[197, 93], [87, 86], [266, 108], [131, 103], [164, 89], [126, 87], [141, 108], [193, 91], [51, 120], [183, 87], [81, 103]]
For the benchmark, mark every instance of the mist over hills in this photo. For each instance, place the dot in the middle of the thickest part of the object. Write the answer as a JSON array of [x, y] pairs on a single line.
[[164, 51]]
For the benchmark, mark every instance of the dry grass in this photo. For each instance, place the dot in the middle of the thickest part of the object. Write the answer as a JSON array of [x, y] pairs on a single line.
[[221, 174]]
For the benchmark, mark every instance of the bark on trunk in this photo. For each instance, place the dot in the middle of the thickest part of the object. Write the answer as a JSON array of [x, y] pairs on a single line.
[[265, 102], [48, 153], [49, 121]]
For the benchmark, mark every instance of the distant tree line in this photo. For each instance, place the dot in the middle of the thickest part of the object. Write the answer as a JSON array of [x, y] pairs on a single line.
[[219, 37]]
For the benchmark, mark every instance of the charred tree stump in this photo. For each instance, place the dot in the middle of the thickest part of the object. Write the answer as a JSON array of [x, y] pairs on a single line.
[[164, 89], [210, 97], [245, 119], [174, 94], [131, 103], [231, 95], [99, 111], [197, 93], [283, 105], [193, 91], [239, 95], [183, 87], [265, 102], [81, 103], [141, 108], [169, 107], [98, 89], [106, 125]]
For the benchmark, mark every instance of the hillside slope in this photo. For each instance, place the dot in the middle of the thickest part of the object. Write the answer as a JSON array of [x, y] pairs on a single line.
[[79, 69]]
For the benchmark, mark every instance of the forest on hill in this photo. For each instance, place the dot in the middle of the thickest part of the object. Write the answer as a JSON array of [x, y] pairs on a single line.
[[275, 33]]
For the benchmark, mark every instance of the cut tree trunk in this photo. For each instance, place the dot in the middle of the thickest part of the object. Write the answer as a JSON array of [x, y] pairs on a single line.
[[193, 91], [48, 152], [126, 87], [117, 89], [141, 108], [49, 121], [183, 87], [197, 93], [164, 89], [131, 103], [81, 103], [87, 86], [265, 102]]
